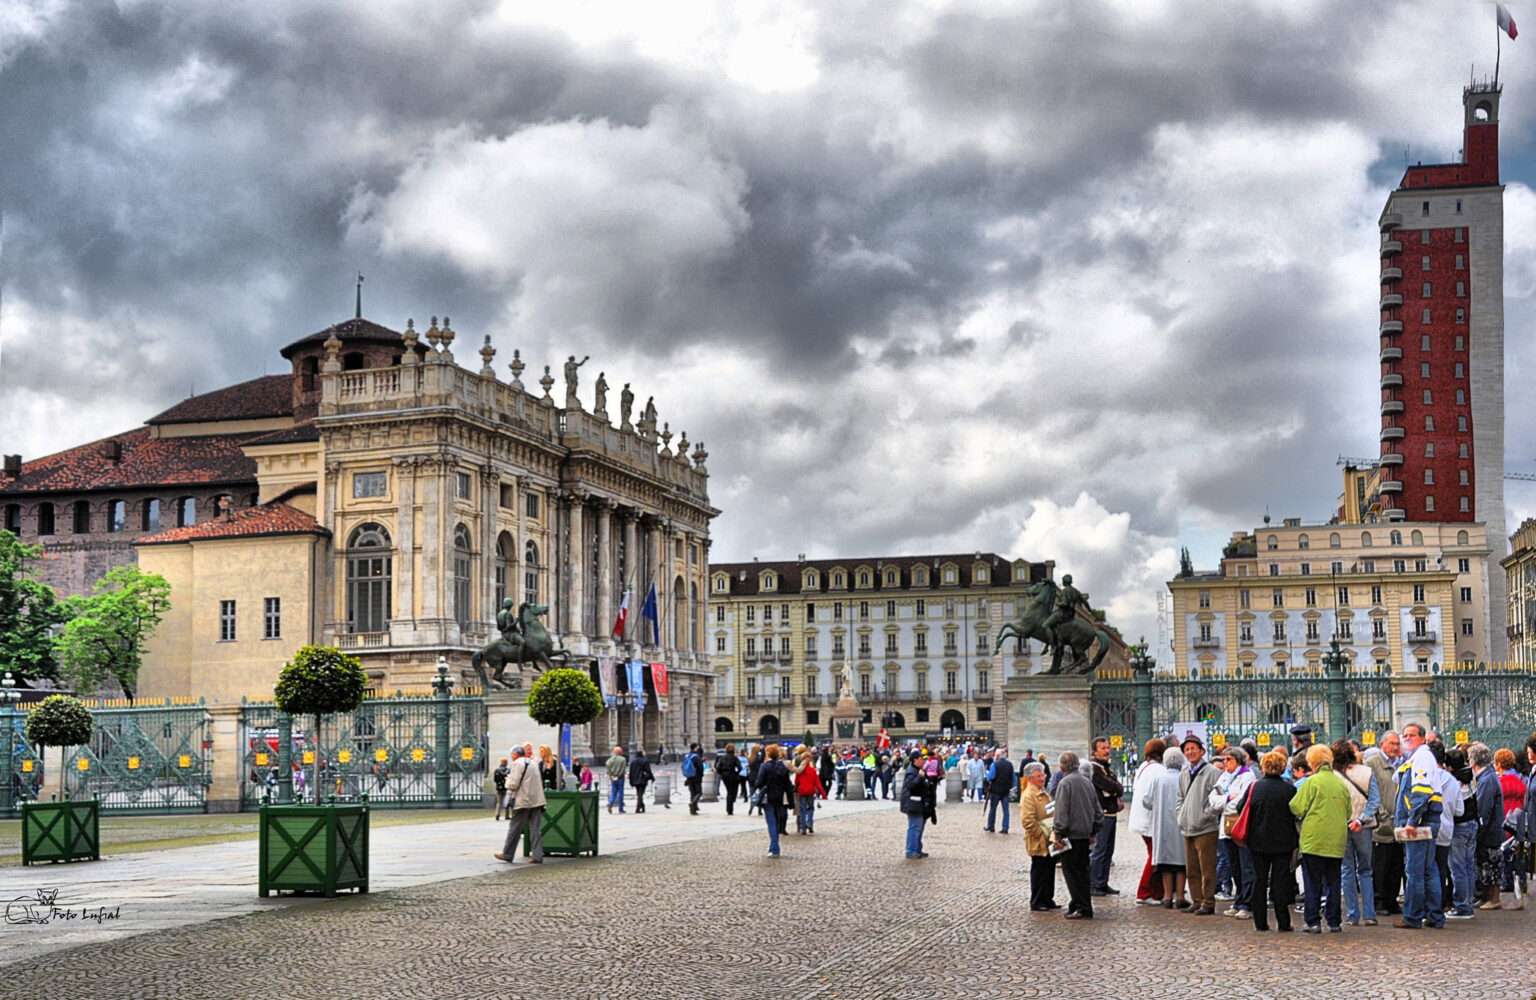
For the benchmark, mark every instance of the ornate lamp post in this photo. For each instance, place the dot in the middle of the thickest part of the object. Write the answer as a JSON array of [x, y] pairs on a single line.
[[1335, 663], [442, 687], [9, 696], [1142, 664]]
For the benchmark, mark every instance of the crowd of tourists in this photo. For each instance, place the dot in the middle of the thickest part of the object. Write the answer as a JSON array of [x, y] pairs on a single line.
[[1408, 828]]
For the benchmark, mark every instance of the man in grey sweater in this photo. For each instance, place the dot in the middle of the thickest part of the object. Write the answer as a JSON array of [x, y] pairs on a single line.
[[1077, 816], [1199, 823]]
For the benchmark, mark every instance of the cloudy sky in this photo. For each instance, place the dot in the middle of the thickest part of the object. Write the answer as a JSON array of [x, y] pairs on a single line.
[[1076, 280]]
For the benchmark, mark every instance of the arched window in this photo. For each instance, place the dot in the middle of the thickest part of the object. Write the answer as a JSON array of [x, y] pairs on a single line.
[[149, 515], [117, 516], [506, 555], [1303, 542], [811, 581], [1272, 543], [768, 725], [695, 638], [1334, 541], [13, 518], [45, 519], [369, 578], [837, 581], [531, 573], [461, 560], [679, 621], [1417, 537], [864, 578], [1461, 538], [1396, 537], [723, 724], [952, 720], [891, 579], [82, 517], [1365, 539], [186, 511]]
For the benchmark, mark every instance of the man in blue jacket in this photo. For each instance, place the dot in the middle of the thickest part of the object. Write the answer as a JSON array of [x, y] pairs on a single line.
[[1418, 810], [1000, 781]]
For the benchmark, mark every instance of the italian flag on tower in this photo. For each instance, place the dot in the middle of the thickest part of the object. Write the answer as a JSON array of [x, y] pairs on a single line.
[[1506, 21]]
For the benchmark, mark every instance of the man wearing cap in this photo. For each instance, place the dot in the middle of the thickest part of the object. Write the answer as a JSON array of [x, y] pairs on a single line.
[[1301, 738], [1199, 824]]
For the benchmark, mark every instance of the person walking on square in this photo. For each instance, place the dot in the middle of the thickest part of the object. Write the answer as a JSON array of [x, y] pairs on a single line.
[[617, 766], [1076, 819], [1417, 816], [693, 776], [916, 789], [1323, 806], [1035, 817], [526, 792], [1365, 805], [1149, 889], [1199, 822], [1272, 839], [728, 768], [774, 783], [1110, 791], [808, 788], [499, 777], [640, 776], [975, 773], [1000, 781], [754, 769], [827, 769]]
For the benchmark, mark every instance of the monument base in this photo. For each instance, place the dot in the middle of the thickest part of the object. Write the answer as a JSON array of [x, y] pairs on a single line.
[[1049, 715], [847, 721]]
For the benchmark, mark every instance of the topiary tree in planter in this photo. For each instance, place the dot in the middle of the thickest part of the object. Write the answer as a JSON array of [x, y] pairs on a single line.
[[566, 697], [320, 681], [60, 721]]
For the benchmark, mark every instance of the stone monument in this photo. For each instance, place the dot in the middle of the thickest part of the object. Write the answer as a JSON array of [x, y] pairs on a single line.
[[847, 716]]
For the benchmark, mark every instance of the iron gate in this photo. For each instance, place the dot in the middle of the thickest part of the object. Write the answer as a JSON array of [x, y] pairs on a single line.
[[144, 759], [386, 748], [1494, 705], [22, 768]]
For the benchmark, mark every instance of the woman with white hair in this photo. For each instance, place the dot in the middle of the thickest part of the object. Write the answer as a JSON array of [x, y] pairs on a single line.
[[1035, 810], [1161, 803]]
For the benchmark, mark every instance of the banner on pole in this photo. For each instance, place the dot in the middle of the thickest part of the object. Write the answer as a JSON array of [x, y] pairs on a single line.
[[606, 682], [659, 679], [635, 672]]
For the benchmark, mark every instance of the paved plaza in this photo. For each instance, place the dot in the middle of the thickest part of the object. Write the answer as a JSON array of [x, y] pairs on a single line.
[[841, 915]]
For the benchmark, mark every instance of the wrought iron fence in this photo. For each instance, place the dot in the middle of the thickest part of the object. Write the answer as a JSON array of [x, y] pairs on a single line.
[[22, 767], [144, 758], [387, 748], [1497, 707]]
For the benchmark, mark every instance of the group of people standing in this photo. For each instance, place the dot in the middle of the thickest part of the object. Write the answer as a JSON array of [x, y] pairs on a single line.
[[1451, 827]]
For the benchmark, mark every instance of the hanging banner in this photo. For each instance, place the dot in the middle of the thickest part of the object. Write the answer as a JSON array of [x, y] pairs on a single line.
[[605, 680], [659, 679], [565, 746], [635, 671]]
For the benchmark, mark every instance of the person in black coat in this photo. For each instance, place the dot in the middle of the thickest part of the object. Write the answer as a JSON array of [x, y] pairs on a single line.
[[1272, 837], [640, 776], [774, 782], [754, 768], [728, 767], [916, 794]]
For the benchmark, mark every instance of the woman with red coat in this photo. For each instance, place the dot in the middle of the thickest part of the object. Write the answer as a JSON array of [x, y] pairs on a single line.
[[808, 787]]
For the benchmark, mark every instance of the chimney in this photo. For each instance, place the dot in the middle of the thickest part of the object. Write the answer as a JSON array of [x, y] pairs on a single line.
[[13, 465]]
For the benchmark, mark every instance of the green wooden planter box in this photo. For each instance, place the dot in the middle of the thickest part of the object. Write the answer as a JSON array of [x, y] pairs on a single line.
[[569, 824], [60, 831], [320, 849]]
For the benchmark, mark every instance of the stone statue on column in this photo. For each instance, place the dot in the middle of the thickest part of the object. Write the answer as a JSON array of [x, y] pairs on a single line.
[[600, 403], [572, 402], [626, 403], [648, 419]]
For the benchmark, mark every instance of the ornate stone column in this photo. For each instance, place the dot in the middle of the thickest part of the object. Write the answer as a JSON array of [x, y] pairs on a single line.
[[634, 568], [490, 500], [404, 606], [604, 566], [515, 565], [337, 599], [432, 536], [575, 566]]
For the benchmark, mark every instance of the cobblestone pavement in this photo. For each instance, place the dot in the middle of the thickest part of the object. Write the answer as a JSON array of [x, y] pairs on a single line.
[[841, 915]]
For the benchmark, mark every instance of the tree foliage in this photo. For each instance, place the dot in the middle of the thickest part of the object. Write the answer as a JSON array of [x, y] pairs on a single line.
[[564, 696], [60, 721], [29, 613], [107, 629], [320, 680]]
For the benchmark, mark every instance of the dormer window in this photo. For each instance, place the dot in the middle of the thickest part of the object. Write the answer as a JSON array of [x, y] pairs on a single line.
[[720, 583], [892, 578], [837, 581], [982, 574], [770, 581], [812, 581]]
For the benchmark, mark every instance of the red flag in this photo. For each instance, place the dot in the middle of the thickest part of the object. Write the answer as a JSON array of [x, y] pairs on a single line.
[[1506, 21], [618, 623]]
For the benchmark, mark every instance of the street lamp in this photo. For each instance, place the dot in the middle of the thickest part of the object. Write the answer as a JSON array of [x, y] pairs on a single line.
[[442, 686], [8, 698]]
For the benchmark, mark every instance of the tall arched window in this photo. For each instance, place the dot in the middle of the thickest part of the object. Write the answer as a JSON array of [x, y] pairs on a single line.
[[1334, 541], [461, 560], [506, 555], [1365, 539], [1461, 538], [679, 619], [186, 511], [117, 516], [695, 640], [82, 517], [150, 515], [369, 573], [1397, 538], [45, 519], [531, 573], [13, 518]]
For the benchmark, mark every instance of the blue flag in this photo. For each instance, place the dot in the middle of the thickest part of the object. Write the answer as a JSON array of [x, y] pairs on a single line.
[[648, 613], [635, 670]]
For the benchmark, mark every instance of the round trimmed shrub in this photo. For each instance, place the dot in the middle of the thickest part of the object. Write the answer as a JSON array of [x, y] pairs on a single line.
[[564, 695], [60, 721], [320, 680]]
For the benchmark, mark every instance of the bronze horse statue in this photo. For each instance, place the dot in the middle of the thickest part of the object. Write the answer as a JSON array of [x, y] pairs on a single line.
[[524, 639], [1074, 634]]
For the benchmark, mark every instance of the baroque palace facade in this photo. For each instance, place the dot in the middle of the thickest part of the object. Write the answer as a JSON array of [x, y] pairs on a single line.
[[916, 634], [383, 499]]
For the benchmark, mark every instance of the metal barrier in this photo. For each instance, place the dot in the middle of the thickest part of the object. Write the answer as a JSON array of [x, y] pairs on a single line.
[[145, 758], [1497, 707], [389, 748]]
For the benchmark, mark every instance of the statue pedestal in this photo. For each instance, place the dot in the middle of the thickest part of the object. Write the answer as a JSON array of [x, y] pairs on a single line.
[[847, 720], [1050, 715]]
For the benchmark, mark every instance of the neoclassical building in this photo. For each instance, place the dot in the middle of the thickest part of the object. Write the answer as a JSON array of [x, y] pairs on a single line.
[[384, 499]]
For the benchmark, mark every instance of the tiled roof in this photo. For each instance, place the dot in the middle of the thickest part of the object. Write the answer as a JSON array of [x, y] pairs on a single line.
[[135, 460], [249, 522], [268, 396], [347, 330], [790, 572], [291, 435]]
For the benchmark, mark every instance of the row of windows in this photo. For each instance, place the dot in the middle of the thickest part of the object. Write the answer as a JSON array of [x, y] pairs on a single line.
[[1277, 596], [838, 579], [82, 517], [271, 619], [920, 644], [920, 608], [1335, 540], [867, 686], [368, 485]]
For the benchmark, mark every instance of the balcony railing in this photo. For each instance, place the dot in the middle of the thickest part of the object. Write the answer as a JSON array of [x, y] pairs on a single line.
[[1207, 642], [1391, 380], [1391, 458], [1392, 433], [1394, 513], [1391, 354], [1391, 486], [1391, 247], [1391, 220], [362, 640], [1391, 273], [952, 696], [1391, 300], [1391, 326], [1391, 406]]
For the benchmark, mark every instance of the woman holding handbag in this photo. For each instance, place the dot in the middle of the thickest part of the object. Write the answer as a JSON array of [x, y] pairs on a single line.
[[1268, 829], [1364, 803]]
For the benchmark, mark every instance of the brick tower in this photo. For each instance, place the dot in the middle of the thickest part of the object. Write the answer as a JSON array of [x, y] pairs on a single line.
[[1442, 340]]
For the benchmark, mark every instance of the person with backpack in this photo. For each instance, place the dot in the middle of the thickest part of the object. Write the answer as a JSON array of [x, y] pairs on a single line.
[[728, 770], [693, 776], [499, 777]]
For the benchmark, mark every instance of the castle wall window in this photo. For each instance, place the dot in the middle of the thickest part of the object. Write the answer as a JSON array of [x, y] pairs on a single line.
[[186, 512], [462, 557], [461, 485], [117, 516], [506, 554], [226, 621], [369, 579], [82, 517], [150, 515], [45, 519], [272, 618], [13, 518]]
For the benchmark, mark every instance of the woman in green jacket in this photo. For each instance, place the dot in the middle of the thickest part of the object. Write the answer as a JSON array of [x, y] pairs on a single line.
[[1323, 805]]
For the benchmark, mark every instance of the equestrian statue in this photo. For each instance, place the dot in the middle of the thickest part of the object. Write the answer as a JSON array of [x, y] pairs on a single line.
[[1051, 617], [524, 639]]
